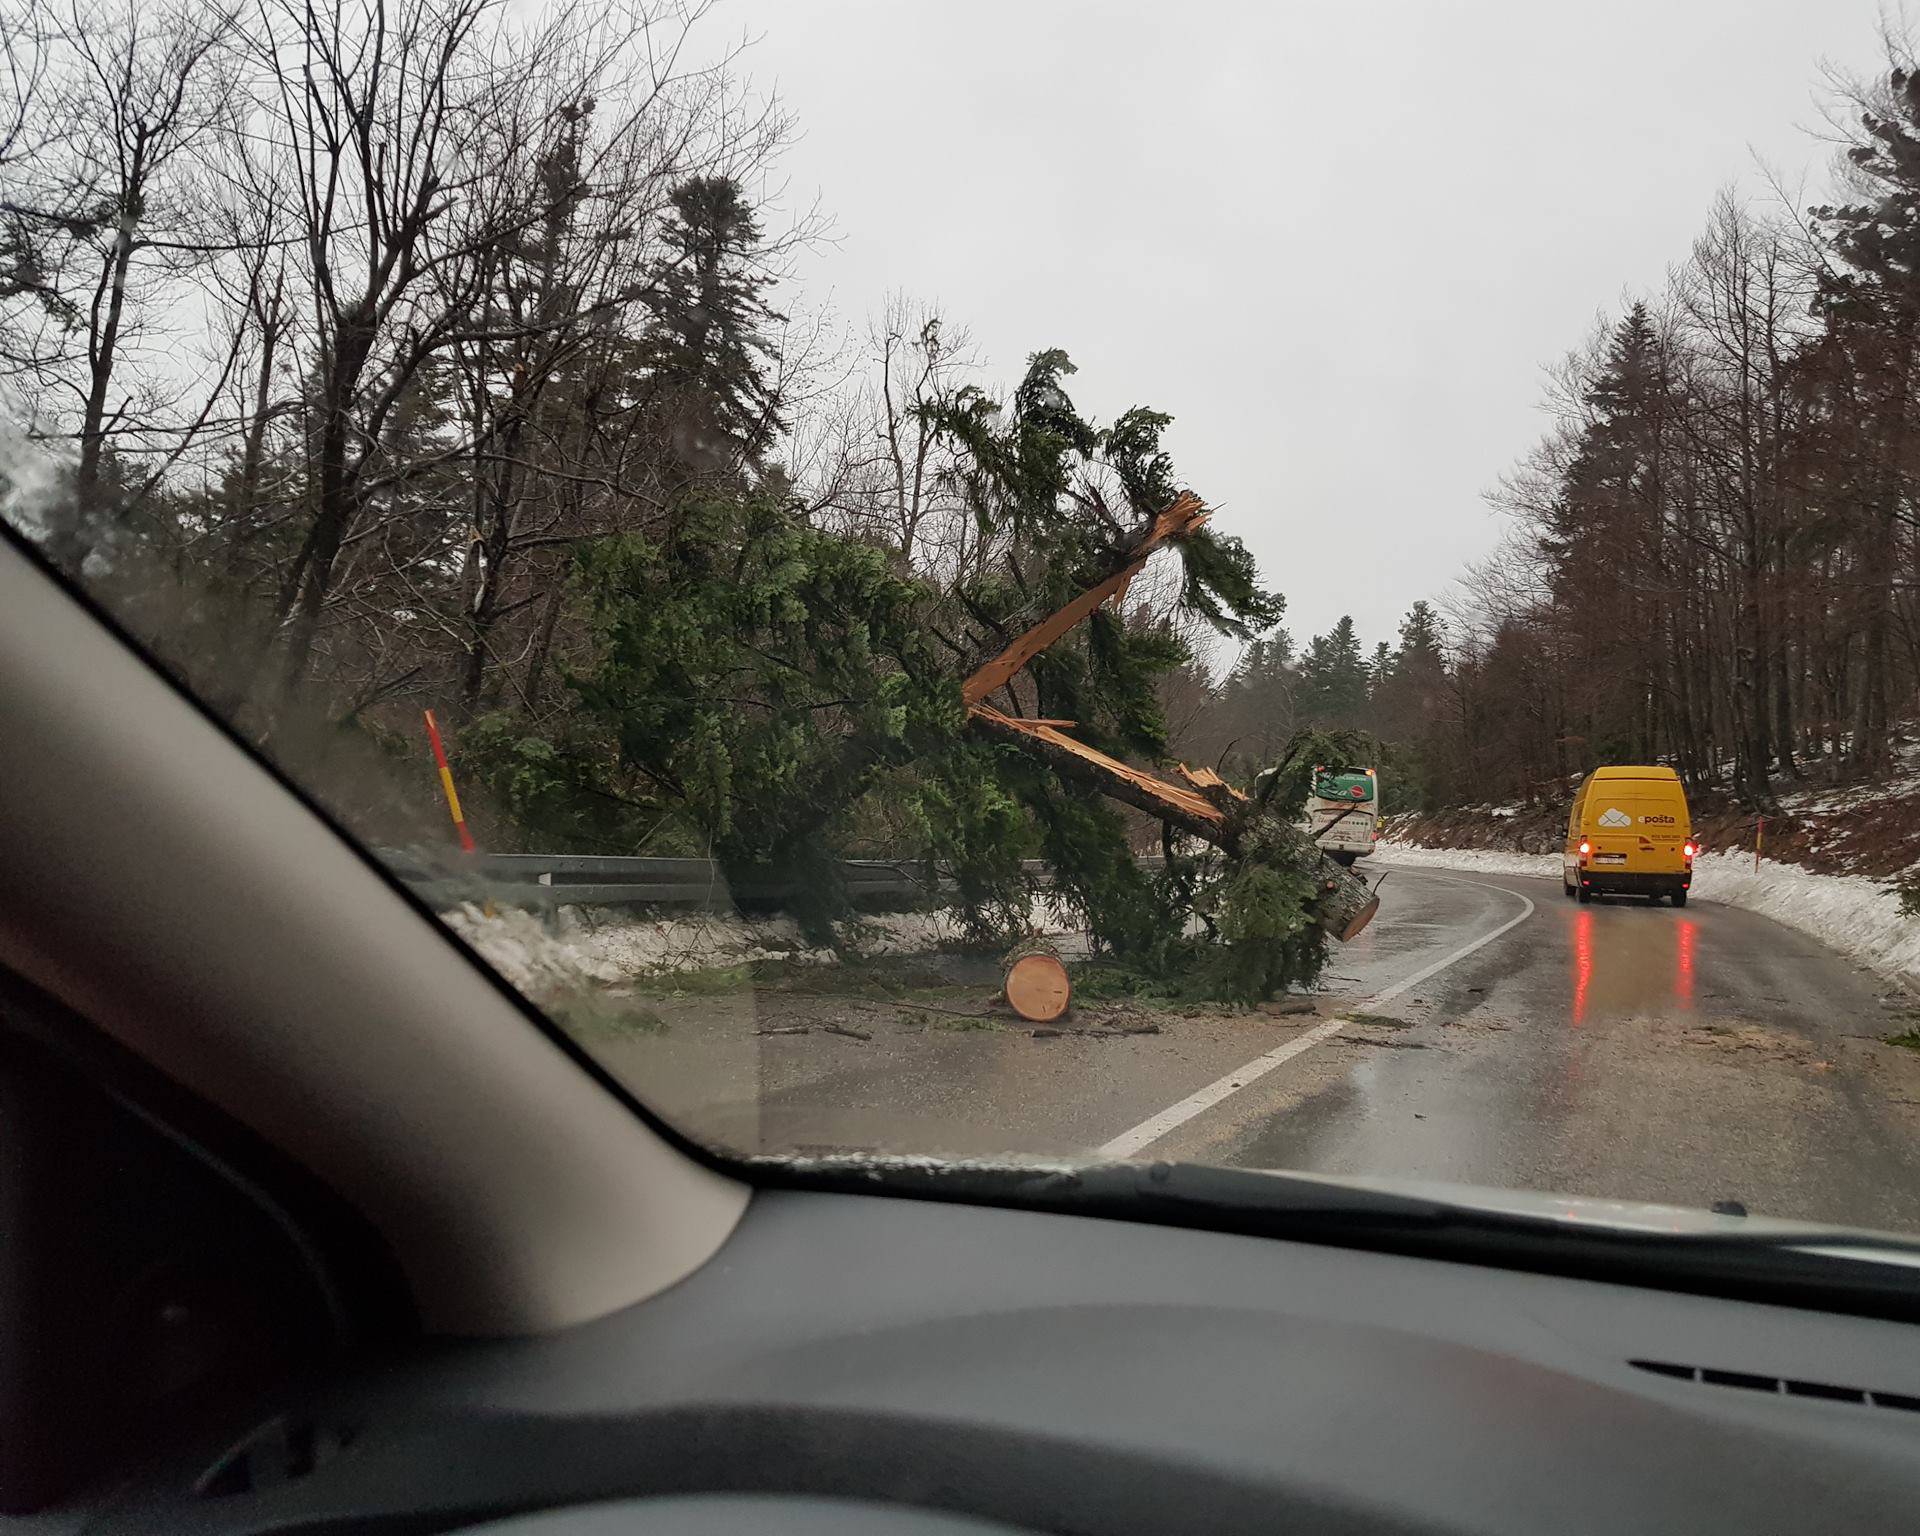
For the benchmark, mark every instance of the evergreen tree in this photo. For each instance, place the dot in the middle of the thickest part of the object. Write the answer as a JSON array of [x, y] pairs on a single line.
[[1870, 299], [1379, 669], [1333, 678], [1419, 653], [1408, 704], [708, 343], [1052, 495], [1602, 545], [1407, 697], [1253, 716]]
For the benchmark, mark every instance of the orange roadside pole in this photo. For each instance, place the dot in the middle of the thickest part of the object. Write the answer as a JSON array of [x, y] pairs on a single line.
[[446, 782], [1759, 835]]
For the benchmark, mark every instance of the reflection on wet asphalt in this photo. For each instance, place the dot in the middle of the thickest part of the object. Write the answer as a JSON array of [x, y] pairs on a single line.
[[1628, 1050], [1618, 1049], [1423, 917]]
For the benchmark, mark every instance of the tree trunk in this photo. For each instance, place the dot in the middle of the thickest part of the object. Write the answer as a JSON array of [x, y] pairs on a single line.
[[71, 547], [253, 451], [1870, 751], [1346, 903], [311, 578], [1784, 734], [543, 639], [495, 552]]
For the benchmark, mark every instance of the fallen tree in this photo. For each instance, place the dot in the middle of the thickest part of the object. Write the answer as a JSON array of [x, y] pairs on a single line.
[[1250, 833], [765, 690]]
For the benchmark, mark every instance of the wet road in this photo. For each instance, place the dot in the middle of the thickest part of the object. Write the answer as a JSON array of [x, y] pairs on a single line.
[[1617, 1049]]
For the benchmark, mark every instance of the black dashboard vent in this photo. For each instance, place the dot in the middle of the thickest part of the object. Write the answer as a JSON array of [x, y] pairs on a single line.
[[1781, 1385]]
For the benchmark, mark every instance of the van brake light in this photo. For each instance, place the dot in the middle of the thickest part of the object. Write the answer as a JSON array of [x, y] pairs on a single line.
[[1585, 847], [1688, 850]]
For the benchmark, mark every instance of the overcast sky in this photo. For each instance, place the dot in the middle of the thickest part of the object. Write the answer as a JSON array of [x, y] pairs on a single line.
[[1336, 241]]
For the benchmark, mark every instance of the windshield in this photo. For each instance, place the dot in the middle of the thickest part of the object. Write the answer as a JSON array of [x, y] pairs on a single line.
[[956, 582]]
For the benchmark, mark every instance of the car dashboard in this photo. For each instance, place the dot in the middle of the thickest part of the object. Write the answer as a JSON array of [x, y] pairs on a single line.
[[874, 1364]]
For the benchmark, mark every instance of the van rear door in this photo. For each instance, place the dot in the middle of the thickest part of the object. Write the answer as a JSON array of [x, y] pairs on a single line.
[[1638, 825]]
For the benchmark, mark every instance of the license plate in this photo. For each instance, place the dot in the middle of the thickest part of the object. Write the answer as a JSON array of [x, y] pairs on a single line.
[[1609, 858]]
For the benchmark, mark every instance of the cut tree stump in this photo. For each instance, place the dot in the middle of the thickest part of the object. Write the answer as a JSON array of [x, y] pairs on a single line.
[[1036, 982]]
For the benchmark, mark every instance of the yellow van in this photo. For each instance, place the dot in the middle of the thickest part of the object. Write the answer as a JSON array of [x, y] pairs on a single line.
[[1629, 831]]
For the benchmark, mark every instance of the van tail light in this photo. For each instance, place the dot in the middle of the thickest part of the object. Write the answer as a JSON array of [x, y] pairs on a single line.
[[1585, 847], [1688, 850]]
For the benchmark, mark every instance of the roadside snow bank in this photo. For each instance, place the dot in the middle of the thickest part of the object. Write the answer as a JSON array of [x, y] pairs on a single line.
[[583, 946], [1487, 861], [1861, 918], [1857, 916], [519, 946]]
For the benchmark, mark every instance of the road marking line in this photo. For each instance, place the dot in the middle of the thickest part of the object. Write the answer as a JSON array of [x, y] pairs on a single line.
[[1148, 1131], [1460, 954]]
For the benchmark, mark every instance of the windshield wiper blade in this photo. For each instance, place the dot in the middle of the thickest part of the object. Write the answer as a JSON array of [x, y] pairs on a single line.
[[1304, 1201], [1873, 1274]]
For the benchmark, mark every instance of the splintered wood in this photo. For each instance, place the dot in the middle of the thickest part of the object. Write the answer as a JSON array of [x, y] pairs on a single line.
[[1185, 515], [1206, 778], [1168, 796], [1145, 790]]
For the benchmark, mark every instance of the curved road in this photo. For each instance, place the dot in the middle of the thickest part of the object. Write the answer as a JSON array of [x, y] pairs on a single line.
[[1618, 1049]]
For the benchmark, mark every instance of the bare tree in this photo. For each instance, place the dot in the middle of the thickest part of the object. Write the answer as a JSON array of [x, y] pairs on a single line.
[[33, 114], [125, 97], [880, 466], [924, 359], [470, 192]]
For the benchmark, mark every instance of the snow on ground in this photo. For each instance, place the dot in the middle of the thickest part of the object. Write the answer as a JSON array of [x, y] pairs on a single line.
[[517, 944], [1827, 800], [1857, 916], [584, 946], [32, 474], [1860, 918], [1488, 861]]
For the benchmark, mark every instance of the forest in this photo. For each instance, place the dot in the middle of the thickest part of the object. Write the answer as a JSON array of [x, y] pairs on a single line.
[[372, 357], [1710, 559]]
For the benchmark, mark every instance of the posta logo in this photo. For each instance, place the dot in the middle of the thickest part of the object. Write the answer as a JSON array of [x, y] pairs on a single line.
[[1657, 821], [1613, 816]]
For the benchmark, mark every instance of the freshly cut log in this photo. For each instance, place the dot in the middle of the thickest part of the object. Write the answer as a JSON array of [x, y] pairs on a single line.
[[1348, 905], [1036, 982]]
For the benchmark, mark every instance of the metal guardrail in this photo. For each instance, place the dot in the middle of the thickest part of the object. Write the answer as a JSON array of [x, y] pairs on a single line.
[[546, 880]]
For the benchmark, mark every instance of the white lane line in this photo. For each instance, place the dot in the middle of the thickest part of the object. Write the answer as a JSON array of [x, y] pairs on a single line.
[[1148, 1131], [1460, 954]]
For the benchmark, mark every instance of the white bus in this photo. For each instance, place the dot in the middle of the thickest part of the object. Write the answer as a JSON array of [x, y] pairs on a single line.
[[1343, 812]]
